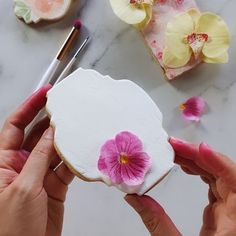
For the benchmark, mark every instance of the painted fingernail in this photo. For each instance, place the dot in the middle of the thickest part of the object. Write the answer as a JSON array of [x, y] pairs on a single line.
[[205, 145], [48, 134], [24, 152], [133, 201], [176, 140]]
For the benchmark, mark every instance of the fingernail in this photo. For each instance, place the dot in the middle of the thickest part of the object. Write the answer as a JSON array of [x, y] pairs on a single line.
[[24, 152], [133, 201], [48, 134], [176, 140], [205, 145]]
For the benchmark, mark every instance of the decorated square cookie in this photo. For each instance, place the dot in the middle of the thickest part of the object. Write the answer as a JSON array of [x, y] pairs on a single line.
[[110, 131], [177, 33]]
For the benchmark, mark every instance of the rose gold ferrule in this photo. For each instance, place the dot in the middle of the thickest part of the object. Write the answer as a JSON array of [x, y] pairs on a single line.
[[67, 44]]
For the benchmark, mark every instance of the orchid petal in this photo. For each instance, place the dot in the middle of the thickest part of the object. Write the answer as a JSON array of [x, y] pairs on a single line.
[[128, 12], [224, 58], [177, 29], [148, 9], [195, 14], [172, 61], [218, 32]]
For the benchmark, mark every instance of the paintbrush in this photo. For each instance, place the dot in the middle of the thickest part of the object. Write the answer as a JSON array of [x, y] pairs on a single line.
[[61, 77], [50, 72]]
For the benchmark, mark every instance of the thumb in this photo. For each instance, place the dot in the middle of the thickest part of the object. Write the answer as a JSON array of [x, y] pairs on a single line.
[[153, 215], [39, 160]]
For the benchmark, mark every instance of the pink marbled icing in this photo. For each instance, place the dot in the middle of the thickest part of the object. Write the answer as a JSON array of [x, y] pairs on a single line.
[[154, 32]]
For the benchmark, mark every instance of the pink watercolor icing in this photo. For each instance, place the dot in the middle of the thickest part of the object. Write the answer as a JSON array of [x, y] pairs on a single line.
[[123, 160]]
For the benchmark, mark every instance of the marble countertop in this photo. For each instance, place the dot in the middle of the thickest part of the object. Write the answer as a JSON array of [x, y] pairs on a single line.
[[118, 50]]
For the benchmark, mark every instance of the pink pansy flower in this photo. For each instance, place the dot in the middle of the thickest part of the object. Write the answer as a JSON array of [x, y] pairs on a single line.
[[123, 160], [193, 108]]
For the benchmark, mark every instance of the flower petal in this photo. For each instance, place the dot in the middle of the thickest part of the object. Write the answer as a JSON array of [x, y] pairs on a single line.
[[128, 143], [224, 58], [195, 14], [193, 108], [109, 149], [177, 29], [102, 165], [114, 170], [134, 172], [108, 154], [172, 61], [218, 32], [148, 9], [127, 12]]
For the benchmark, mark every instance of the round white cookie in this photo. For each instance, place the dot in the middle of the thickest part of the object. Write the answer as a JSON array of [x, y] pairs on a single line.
[[87, 109]]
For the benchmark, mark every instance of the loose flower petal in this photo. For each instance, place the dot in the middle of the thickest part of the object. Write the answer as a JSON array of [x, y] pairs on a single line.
[[123, 160], [193, 108]]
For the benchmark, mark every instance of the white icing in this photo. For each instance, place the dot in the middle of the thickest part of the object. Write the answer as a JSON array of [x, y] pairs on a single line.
[[88, 108]]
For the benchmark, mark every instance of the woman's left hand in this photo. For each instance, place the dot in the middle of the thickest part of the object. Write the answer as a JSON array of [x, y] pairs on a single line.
[[32, 194]]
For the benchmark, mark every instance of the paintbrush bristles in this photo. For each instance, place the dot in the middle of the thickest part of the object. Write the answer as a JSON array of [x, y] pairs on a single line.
[[77, 24]]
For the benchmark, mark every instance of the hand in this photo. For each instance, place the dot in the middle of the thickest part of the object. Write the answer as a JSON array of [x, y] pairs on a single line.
[[31, 192], [215, 169]]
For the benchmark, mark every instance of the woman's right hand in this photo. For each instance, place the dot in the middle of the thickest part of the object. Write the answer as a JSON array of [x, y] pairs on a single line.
[[216, 170]]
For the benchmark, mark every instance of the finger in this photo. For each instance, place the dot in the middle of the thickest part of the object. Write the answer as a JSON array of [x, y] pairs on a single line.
[[12, 134], [218, 165], [13, 160], [191, 166], [184, 149], [56, 182], [64, 174], [39, 160], [35, 134], [153, 215], [56, 160], [187, 171]]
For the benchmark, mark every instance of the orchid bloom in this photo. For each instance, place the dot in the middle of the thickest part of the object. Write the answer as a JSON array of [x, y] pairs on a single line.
[[123, 160], [193, 108], [205, 36], [134, 12]]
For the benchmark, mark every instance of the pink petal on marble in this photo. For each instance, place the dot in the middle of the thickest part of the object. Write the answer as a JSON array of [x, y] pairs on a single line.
[[193, 108]]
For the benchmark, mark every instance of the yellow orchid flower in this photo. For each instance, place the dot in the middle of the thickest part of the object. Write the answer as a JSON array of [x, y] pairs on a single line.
[[134, 12], [206, 36]]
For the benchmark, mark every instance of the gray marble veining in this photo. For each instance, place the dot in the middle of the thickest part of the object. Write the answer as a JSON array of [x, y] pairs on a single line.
[[118, 50]]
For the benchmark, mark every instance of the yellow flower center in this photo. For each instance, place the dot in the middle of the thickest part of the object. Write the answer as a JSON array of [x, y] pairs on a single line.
[[124, 159], [182, 107], [196, 41]]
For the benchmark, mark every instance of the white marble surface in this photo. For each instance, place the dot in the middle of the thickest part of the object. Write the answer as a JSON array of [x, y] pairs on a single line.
[[118, 50]]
